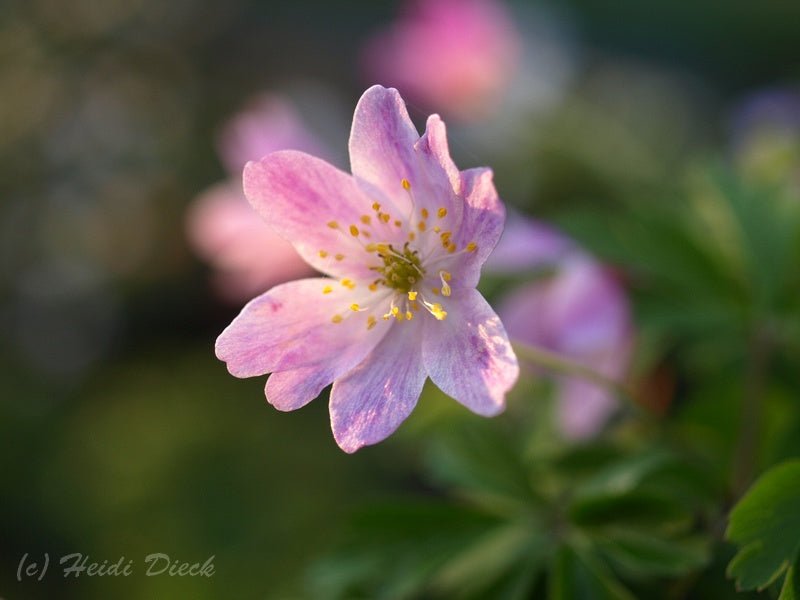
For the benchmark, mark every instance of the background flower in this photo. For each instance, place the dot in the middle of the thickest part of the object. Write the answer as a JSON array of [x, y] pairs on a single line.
[[456, 56], [247, 256], [573, 307]]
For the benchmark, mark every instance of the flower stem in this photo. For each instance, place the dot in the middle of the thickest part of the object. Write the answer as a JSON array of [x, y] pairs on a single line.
[[567, 366]]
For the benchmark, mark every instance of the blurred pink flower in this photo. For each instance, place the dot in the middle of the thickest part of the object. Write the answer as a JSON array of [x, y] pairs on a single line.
[[402, 241], [248, 257], [580, 311], [456, 56]]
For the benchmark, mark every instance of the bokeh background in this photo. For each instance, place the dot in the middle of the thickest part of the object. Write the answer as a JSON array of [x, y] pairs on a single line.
[[121, 433]]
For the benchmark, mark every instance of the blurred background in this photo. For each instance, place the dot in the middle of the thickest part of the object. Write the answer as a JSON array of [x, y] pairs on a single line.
[[629, 128]]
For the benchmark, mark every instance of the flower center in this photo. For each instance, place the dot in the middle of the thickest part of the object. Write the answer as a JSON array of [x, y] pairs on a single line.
[[401, 269], [401, 273]]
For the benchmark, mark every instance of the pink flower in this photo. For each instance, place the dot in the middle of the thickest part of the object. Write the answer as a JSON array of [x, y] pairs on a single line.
[[248, 257], [580, 312], [452, 55], [402, 241]]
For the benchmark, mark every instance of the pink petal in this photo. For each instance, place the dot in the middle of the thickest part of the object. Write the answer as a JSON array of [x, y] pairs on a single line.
[[468, 355], [482, 223], [370, 403], [382, 145], [299, 195], [433, 146], [290, 327], [386, 149], [290, 390]]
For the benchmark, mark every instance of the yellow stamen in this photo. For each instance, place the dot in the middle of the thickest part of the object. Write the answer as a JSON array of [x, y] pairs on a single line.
[[451, 247], [353, 230], [436, 229], [371, 322], [409, 315], [436, 311], [445, 277], [435, 291], [348, 283], [442, 213], [421, 225], [336, 319], [366, 219], [333, 224], [424, 212], [373, 287], [405, 183], [472, 246], [354, 307], [327, 289], [397, 223], [370, 247], [376, 206], [412, 236], [323, 254], [339, 257], [412, 295], [385, 217]]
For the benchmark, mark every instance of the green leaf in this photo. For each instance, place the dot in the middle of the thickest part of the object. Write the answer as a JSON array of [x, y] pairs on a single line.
[[640, 507], [490, 558], [642, 554], [478, 458], [625, 475], [578, 576], [791, 585], [766, 524]]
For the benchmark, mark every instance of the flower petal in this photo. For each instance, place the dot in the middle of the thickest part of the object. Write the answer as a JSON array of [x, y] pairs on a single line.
[[481, 224], [468, 355], [290, 390], [382, 144], [414, 176], [371, 402], [434, 148], [290, 327], [313, 204]]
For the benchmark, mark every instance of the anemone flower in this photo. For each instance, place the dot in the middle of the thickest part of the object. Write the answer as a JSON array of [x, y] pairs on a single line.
[[401, 242]]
